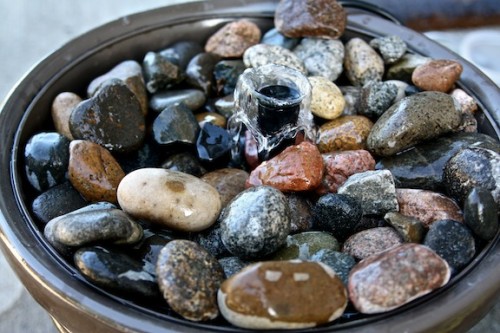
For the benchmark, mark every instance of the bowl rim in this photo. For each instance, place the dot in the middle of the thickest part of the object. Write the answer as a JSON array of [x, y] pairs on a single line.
[[21, 241]]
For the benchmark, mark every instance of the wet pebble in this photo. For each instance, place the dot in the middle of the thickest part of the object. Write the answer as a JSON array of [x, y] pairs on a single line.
[[341, 263], [226, 74], [437, 75], [392, 48], [180, 53], [321, 57], [46, 158], [231, 265], [61, 109], [213, 145], [93, 171], [414, 119], [189, 278], [200, 72], [274, 37], [374, 190], [362, 63], [409, 228], [300, 212], [169, 198], [228, 182], [160, 73], [404, 67], [452, 241], [184, 162], [427, 206], [321, 18], [211, 117], [225, 106], [327, 101], [192, 98], [111, 118], [480, 213], [233, 39], [305, 244], [176, 126], [279, 301], [297, 168], [376, 98], [376, 290], [263, 54], [370, 242], [344, 133], [256, 222]]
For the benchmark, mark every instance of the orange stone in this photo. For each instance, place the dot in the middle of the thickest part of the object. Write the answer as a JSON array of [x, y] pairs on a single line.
[[344, 133], [437, 75]]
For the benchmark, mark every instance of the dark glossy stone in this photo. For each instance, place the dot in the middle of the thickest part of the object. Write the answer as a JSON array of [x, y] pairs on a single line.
[[160, 73], [305, 244], [300, 212], [452, 241], [115, 271], [340, 262], [112, 118], [180, 53], [274, 37], [226, 73], [410, 228], [211, 241], [376, 98], [148, 249], [148, 156], [473, 167], [480, 213], [184, 162], [213, 144], [200, 72], [231, 265], [192, 98], [176, 125], [338, 214], [56, 201], [422, 167], [189, 278], [46, 158]]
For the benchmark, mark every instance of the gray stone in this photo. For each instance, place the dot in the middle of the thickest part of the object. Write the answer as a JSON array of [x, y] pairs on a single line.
[[401, 85], [192, 98], [263, 54], [321, 57], [340, 262], [392, 48], [200, 72], [274, 37], [376, 98], [231, 265], [409, 228], [351, 97], [176, 125], [480, 213]]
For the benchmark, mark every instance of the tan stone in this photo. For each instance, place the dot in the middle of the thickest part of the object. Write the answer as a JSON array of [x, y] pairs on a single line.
[[327, 101], [233, 39], [344, 133], [62, 106]]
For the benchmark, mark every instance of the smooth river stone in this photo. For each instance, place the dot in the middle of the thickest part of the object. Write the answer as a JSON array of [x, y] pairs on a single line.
[[160, 73], [176, 126], [372, 241], [93, 171], [290, 294], [263, 54], [340, 262], [274, 37], [480, 213], [414, 119], [192, 98], [231, 265], [297, 168], [376, 284], [392, 48], [410, 228], [181, 52], [211, 240], [362, 63], [404, 67], [200, 72], [189, 278], [305, 244], [322, 57], [344, 133], [211, 117], [233, 39], [184, 162], [169, 198], [320, 18], [300, 212], [256, 222], [422, 167], [61, 109], [427, 206], [228, 182], [226, 74], [327, 101], [376, 98], [437, 75]]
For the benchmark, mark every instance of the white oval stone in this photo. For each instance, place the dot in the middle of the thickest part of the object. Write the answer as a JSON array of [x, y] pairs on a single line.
[[169, 198]]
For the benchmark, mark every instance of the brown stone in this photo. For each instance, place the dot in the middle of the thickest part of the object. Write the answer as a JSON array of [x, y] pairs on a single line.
[[282, 294], [93, 171], [233, 39], [228, 182], [437, 75], [395, 277], [370, 242], [340, 165], [251, 151], [427, 206], [300, 213], [344, 133], [310, 18], [410, 228], [62, 106], [211, 117], [297, 168]]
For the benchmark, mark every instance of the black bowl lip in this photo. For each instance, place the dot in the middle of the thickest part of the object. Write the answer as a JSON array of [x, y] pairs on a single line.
[[124, 317]]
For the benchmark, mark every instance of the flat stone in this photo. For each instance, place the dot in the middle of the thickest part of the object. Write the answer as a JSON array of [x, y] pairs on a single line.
[[480, 213], [264, 54], [376, 98], [278, 303], [340, 262], [371, 242], [169, 198], [93, 171], [61, 109], [392, 48], [189, 278], [305, 244], [321, 57], [297, 168], [376, 284], [184, 162], [404, 67], [452, 241], [176, 126], [231, 265], [437, 75], [256, 222], [228, 182], [409, 228], [344, 133], [160, 73], [233, 39], [327, 101], [374, 190], [412, 120], [300, 212], [362, 63], [340, 165], [320, 18], [274, 37], [427, 206], [192, 98]]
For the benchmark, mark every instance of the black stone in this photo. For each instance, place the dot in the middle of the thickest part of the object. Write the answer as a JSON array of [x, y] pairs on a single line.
[[231, 265], [338, 214], [226, 73], [148, 156], [452, 241], [175, 125], [160, 73], [274, 37], [148, 249], [116, 272], [192, 98], [214, 145], [200, 72], [480, 213], [181, 53], [112, 118], [56, 201], [184, 162], [46, 158], [211, 241], [340, 262]]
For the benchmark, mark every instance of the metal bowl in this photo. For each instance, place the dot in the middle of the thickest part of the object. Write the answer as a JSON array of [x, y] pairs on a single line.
[[77, 306]]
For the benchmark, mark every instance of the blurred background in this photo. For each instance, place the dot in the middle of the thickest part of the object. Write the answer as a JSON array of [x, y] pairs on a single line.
[[30, 30]]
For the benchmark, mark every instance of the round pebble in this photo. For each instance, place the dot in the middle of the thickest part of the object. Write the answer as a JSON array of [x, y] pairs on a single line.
[[305, 244], [263, 54], [327, 101], [321, 57], [437, 75], [370, 242], [231, 265], [480, 213], [344, 133], [362, 63], [392, 48], [192, 98], [340, 262], [62, 106], [228, 182], [376, 98], [233, 39]]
